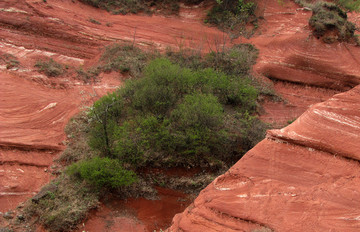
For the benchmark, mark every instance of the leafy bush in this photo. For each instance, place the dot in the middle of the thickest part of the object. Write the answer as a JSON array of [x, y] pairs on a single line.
[[236, 60], [103, 173], [252, 130], [172, 116], [330, 22], [232, 14], [198, 111], [198, 127], [50, 67], [164, 84], [140, 141], [103, 115]]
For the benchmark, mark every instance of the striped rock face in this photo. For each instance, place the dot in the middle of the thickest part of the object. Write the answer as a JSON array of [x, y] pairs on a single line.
[[305, 177], [301, 178]]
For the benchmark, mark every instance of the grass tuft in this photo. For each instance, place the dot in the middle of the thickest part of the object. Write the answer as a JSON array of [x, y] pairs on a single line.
[[50, 67]]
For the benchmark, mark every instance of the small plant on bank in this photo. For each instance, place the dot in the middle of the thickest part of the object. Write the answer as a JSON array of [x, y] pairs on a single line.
[[329, 22], [94, 21], [103, 173], [65, 206], [232, 16], [124, 59], [50, 67], [9, 60]]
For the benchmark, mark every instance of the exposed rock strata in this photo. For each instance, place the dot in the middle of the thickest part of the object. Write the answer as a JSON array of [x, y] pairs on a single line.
[[33, 116], [305, 177]]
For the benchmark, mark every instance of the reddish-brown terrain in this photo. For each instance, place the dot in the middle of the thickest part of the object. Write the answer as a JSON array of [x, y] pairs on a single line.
[[304, 177], [295, 179]]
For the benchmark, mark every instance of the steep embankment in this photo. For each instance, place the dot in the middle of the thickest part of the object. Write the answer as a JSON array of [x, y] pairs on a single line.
[[303, 69], [35, 109], [304, 177]]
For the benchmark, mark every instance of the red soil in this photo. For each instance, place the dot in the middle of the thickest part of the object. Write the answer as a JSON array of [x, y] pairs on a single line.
[[34, 109], [137, 214]]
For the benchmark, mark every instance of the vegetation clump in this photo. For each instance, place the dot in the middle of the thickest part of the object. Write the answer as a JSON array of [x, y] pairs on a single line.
[[178, 113], [94, 21], [124, 59], [330, 23], [63, 208], [50, 67], [103, 173], [233, 16], [349, 5], [173, 116], [9, 60]]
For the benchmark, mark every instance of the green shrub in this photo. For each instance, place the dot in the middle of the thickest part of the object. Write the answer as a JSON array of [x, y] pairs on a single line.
[[252, 130], [103, 173], [173, 115], [164, 84], [50, 67], [331, 19], [198, 111], [140, 140], [88, 75], [232, 15], [236, 63], [236, 60], [197, 127], [103, 117]]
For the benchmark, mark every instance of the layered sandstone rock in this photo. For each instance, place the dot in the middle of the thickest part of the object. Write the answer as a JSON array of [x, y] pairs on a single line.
[[305, 177]]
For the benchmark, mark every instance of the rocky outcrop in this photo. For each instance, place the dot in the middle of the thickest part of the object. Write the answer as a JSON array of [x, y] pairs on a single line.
[[305, 177], [289, 52], [301, 58]]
